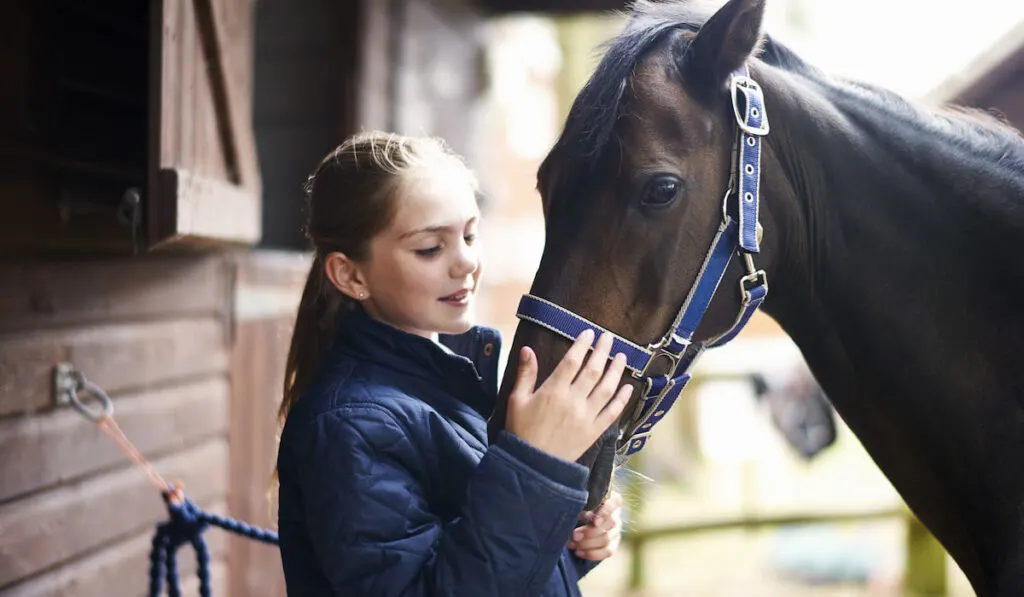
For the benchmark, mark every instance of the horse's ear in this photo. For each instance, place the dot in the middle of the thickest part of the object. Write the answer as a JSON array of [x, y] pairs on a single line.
[[724, 43]]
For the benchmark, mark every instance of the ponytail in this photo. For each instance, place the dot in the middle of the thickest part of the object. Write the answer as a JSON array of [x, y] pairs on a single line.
[[320, 313]]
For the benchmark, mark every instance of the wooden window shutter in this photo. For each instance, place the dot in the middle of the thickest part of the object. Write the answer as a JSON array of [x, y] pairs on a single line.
[[125, 126], [204, 173]]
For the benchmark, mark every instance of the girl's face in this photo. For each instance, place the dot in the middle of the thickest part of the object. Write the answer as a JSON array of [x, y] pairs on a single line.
[[423, 270]]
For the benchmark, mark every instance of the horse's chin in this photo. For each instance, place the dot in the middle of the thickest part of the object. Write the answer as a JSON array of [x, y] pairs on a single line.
[[599, 481]]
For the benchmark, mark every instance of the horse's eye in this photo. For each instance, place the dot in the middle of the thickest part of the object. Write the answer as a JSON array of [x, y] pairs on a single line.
[[662, 191]]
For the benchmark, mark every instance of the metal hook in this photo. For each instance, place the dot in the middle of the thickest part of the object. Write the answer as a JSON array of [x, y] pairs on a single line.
[[67, 382], [129, 213]]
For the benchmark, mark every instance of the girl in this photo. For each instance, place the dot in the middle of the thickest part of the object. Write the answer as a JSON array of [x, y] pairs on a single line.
[[387, 483]]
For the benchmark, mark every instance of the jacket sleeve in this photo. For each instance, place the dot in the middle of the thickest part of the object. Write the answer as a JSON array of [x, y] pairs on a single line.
[[374, 534], [583, 566]]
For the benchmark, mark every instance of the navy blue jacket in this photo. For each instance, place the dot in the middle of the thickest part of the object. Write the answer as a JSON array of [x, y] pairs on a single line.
[[389, 488]]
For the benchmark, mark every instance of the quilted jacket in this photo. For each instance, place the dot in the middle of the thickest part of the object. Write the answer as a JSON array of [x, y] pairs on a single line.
[[388, 486]]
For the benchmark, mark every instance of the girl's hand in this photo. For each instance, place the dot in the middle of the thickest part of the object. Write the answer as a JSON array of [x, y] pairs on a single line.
[[568, 412], [599, 538]]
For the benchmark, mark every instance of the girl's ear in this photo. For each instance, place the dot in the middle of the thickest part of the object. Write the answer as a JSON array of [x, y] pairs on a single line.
[[346, 276]]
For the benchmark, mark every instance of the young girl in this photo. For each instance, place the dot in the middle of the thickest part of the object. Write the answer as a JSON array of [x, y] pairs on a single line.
[[387, 483]]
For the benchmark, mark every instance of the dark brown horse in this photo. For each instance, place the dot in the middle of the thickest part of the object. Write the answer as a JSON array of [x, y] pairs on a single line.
[[890, 237]]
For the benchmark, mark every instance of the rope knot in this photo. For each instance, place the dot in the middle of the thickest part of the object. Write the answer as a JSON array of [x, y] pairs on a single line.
[[187, 523]]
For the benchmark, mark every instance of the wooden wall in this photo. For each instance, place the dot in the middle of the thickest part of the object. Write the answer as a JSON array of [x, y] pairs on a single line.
[[190, 347], [304, 84], [76, 517], [269, 286]]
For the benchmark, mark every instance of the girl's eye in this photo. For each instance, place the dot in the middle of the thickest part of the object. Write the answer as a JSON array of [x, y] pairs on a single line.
[[469, 238], [429, 252]]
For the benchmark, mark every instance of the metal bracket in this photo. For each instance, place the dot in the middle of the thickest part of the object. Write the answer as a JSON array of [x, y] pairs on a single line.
[[63, 383]]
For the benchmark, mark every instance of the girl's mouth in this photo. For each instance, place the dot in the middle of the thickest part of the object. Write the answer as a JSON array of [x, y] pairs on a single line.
[[459, 298]]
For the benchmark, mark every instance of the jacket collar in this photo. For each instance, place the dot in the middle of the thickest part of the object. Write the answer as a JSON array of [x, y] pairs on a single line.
[[472, 360]]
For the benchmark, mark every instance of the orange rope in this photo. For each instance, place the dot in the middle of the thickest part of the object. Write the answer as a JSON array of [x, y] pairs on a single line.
[[113, 430]]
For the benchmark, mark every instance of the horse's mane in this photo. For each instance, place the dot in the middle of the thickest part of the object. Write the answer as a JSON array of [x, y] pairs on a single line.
[[589, 130], [971, 130], [590, 126]]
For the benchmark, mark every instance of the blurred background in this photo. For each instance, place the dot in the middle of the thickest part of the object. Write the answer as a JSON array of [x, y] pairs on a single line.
[[153, 157]]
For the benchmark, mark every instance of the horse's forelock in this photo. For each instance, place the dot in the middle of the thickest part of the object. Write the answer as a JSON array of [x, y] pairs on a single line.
[[589, 132]]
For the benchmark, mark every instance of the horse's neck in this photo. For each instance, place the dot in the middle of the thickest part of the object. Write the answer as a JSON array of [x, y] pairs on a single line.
[[894, 274], [883, 212]]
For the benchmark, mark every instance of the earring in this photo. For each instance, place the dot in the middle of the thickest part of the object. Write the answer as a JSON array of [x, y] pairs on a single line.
[[362, 294]]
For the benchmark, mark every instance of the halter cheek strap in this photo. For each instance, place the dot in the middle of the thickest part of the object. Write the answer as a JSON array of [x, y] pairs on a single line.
[[734, 237]]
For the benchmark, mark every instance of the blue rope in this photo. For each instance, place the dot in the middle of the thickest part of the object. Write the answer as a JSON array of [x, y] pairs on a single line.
[[186, 525]]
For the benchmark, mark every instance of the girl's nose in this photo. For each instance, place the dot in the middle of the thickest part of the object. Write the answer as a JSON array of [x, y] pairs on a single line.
[[466, 262]]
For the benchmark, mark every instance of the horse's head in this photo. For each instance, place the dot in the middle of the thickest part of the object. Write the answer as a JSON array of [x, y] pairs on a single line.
[[633, 191]]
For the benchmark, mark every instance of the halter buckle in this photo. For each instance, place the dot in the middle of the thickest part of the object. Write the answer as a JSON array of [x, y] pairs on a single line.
[[750, 87], [751, 281], [673, 360]]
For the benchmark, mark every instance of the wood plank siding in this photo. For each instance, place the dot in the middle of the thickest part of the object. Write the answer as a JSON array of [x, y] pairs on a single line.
[[266, 299], [171, 308], [76, 516]]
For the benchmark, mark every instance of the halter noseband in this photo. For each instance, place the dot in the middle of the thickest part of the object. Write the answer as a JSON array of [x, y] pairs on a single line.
[[740, 237]]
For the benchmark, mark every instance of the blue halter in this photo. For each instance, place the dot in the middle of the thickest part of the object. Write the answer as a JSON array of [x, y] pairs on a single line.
[[740, 237]]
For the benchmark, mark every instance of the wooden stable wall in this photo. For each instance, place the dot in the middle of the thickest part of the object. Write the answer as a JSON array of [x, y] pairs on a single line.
[[76, 517], [269, 285]]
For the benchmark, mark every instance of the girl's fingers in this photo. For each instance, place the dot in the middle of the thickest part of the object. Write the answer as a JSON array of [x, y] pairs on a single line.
[[589, 537], [590, 375], [595, 555], [601, 541], [569, 366], [606, 522], [609, 514], [611, 411], [600, 548], [526, 377], [612, 376]]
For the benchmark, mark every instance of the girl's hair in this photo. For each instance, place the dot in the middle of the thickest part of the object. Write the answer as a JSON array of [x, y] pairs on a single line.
[[352, 197]]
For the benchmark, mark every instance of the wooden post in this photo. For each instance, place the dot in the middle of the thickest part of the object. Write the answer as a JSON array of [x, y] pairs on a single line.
[[925, 574], [636, 563], [634, 498], [579, 38]]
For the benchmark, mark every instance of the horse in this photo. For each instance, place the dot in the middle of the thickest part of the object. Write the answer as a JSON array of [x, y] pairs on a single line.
[[799, 410], [703, 158]]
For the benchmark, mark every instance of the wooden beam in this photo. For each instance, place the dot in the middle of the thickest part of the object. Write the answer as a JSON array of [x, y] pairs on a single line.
[[122, 570], [987, 70], [118, 358], [43, 294], [257, 374], [44, 450], [62, 524], [204, 209], [268, 287]]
